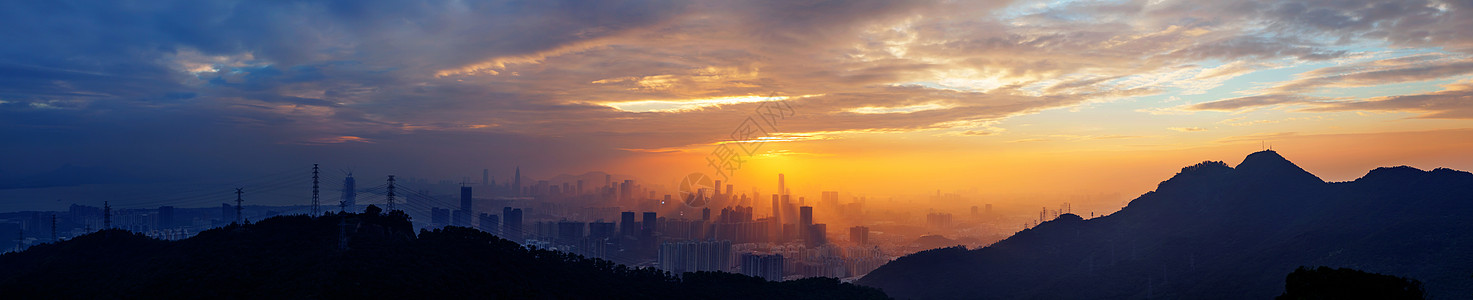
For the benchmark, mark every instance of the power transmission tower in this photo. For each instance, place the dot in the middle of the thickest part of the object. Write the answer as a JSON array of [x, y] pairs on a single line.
[[391, 193], [238, 208], [315, 209], [107, 216], [343, 232]]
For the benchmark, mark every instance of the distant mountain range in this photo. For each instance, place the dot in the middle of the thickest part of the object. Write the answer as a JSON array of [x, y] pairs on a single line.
[[1219, 232], [297, 257]]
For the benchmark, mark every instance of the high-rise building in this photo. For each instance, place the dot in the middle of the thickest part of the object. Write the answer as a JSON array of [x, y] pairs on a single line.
[[350, 194], [859, 235], [694, 256], [627, 226], [706, 214], [166, 217], [938, 220], [512, 225], [464, 214], [490, 223], [569, 232], [485, 176], [805, 222], [601, 230], [829, 200], [782, 187], [516, 182], [769, 267], [817, 235], [648, 225], [439, 217]]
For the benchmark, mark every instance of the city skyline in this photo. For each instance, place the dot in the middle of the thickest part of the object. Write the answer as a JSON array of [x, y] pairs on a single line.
[[844, 149], [1010, 97]]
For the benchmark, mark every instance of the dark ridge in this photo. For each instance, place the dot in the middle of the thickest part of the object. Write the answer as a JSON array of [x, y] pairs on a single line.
[[1343, 283], [297, 257], [1269, 166], [1212, 231]]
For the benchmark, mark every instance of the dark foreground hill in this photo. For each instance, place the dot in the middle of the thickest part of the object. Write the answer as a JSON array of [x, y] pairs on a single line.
[[1219, 232], [295, 257]]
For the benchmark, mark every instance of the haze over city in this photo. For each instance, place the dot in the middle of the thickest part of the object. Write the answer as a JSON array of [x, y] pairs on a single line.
[[926, 123]]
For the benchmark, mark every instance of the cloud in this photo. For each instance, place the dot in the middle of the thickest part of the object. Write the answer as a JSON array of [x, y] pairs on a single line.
[[1186, 129], [1455, 101], [581, 81], [1239, 103], [1377, 72]]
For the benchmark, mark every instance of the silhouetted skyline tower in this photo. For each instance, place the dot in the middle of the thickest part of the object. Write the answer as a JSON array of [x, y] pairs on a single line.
[[238, 207], [777, 218], [485, 176], [647, 227], [465, 206], [805, 222], [315, 201], [782, 186], [516, 182], [390, 195], [626, 224], [349, 200]]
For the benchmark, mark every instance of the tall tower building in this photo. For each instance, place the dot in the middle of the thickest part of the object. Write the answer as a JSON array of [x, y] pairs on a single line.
[[626, 224], [485, 176], [777, 208], [511, 226], [777, 218], [782, 187], [648, 225], [350, 194], [805, 222], [465, 206], [516, 183]]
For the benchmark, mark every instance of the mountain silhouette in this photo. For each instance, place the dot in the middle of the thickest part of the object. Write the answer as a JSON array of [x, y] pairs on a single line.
[[1214, 232], [298, 257]]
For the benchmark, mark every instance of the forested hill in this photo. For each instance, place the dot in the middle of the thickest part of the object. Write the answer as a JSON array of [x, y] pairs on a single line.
[[294, 257], [1213, 232]]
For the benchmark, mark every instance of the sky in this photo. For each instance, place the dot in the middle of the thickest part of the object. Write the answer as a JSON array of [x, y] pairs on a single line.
[[876, 97]]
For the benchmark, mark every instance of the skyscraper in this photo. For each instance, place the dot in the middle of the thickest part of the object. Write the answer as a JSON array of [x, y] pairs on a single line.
[[805, 223], [516, 182], [829, 200], [859, 235], [782, 188], [350, 194], [817, 235], [485, 176], [490, 223], [626, 224], [647, 227], [513, 225], [464, 214], [777, 218]]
